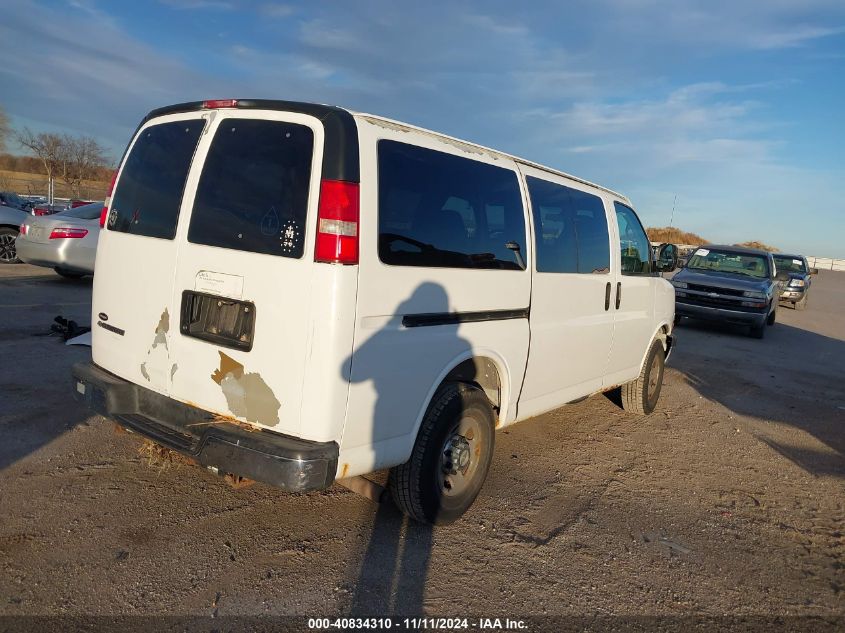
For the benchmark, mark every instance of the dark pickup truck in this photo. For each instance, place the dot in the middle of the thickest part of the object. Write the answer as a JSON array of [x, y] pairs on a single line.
[[794, 274], [729, 284]]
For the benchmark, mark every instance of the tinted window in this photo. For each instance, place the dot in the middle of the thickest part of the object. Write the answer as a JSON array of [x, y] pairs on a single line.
[[436, 209], [571, 229], [253, 192], [85, 212], [634, 245], [149, 191]]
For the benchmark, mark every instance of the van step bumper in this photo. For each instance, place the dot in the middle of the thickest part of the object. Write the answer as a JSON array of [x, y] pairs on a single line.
[[287, 462]]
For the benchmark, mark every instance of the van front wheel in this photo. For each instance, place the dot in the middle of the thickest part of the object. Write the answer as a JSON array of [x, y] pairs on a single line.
[[640, 396], [451, 456]]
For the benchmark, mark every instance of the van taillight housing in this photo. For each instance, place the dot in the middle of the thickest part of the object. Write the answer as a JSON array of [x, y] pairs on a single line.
[[337, 223], [107, 202]]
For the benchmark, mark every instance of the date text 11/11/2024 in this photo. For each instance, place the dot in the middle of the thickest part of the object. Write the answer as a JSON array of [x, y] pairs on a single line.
[[414, 624]]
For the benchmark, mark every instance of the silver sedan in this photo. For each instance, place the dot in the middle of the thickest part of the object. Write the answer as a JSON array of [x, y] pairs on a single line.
[[10, 221], [65, 241]]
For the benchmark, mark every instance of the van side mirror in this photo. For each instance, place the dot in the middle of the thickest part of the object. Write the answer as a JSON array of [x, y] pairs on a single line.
[[667, 258]]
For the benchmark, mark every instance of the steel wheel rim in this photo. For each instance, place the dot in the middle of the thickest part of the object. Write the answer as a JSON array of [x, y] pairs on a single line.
[[460, 457], [653, 378], [7, 248]]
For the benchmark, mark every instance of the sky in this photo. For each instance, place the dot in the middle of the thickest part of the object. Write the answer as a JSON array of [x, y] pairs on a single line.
[[730, 111]]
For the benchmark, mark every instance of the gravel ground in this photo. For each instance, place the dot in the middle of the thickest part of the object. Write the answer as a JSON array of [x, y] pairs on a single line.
[[727, 501]]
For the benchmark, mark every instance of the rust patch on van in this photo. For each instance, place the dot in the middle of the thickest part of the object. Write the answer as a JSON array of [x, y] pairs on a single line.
[[344, 470], [247, 395]]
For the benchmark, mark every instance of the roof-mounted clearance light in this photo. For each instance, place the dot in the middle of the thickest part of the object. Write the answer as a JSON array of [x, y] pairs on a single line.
[[213, 104]]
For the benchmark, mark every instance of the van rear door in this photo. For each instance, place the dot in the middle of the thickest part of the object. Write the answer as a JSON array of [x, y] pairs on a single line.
[[241, 297], [136, 255]]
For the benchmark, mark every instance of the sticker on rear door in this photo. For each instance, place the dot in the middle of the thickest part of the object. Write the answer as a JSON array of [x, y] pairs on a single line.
[[221, 284]]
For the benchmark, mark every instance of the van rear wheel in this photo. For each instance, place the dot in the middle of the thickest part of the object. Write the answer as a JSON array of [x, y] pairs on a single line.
[[640, 396], [451, 456]]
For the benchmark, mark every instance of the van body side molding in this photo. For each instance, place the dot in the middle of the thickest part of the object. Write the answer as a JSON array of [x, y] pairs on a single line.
[[451, 318]]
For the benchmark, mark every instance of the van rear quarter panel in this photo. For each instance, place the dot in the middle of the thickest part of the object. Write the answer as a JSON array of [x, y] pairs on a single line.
[[395, 369]]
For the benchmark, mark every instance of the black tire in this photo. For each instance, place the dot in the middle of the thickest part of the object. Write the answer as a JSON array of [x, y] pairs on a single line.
[[677, 320], [757, 331], [69, 274], [8, 252], [770, 320], [801, 305], [421, 486], [640, 396]]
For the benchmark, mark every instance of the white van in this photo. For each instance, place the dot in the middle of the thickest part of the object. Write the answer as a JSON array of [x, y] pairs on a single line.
[[298, 294]]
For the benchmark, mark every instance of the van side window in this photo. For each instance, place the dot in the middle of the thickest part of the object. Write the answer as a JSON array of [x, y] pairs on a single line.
[[440, 210], [253, 192], [149, 191], [570, 227], [633, 242]]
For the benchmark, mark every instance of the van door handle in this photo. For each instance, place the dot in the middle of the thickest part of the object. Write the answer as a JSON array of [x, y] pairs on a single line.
[[618, 294], [607, 296]]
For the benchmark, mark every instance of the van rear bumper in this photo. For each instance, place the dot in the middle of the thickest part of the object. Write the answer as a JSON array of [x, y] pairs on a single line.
[[287, 462]]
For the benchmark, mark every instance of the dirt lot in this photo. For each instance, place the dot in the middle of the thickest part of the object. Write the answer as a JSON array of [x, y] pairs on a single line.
[[729, 500]]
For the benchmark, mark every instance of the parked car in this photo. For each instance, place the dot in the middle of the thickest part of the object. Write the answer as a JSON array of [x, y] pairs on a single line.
[[795, 276], [730, 284], [65, 241], [10, 221], [396, 273], [48, 209], [11, 199]]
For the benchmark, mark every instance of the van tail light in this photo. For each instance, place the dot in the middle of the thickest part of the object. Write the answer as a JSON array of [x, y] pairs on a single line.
[[63, 232], [23, 229], [337, 223], [107, 202], [213, 104]]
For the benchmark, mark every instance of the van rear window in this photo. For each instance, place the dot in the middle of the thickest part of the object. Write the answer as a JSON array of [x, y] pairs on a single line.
[[253, 192], [441, 210], [149, 191]]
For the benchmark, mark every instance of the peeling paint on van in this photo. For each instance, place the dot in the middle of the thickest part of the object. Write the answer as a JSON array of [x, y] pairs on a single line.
[[154, 367], [387, 125], [161, 330], [247, 395]]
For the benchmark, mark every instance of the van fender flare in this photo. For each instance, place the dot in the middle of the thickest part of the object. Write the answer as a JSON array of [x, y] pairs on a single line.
[[502, 368], [662, 334]]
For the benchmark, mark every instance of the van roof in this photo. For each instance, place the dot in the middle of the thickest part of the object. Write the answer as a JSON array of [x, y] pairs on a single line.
[[340, 159], [380, 119]]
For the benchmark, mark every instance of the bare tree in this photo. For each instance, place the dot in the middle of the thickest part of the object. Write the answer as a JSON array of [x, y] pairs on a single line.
[[4, 129], [48, 148], [80, 159]]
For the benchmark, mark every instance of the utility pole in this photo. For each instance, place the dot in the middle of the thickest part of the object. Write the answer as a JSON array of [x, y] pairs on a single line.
[[672, 218]]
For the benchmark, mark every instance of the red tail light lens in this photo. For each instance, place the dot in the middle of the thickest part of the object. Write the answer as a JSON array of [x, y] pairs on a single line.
[[337, 223], [213, 104], [23, 229], [107, 203], [63, 232]]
